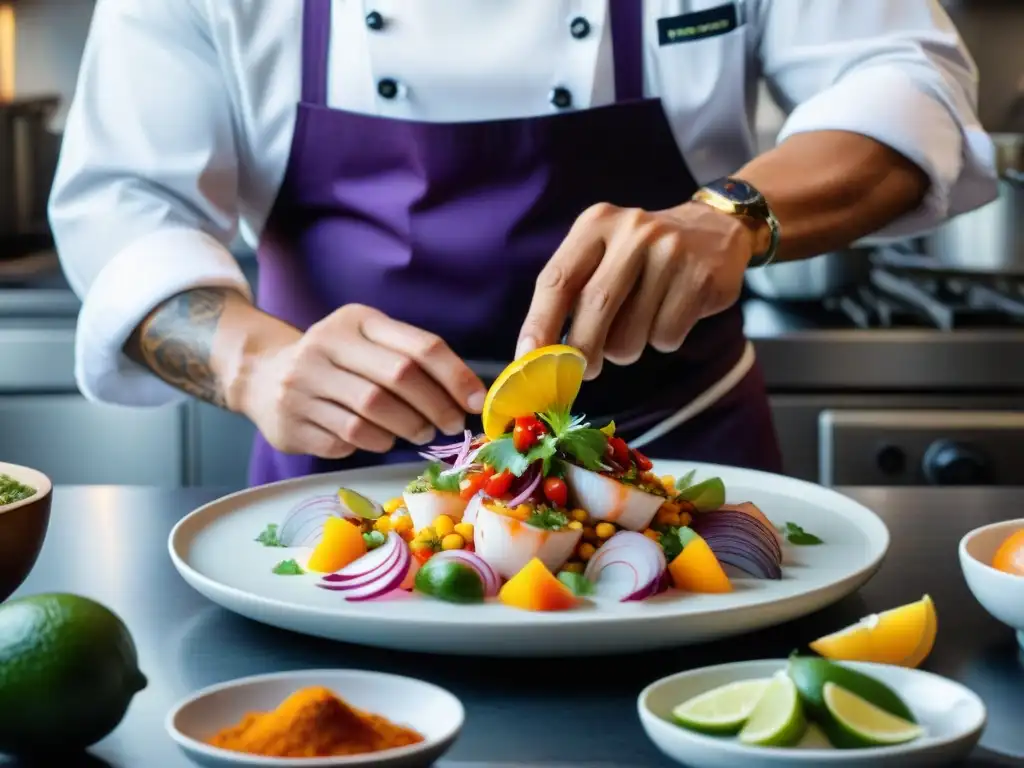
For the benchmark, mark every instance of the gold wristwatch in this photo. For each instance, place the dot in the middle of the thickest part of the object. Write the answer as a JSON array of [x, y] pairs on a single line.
[[738, 198]]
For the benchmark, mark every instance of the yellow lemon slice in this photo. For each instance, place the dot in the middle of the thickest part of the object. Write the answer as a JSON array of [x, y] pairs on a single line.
[[546, 378], [902, 636]]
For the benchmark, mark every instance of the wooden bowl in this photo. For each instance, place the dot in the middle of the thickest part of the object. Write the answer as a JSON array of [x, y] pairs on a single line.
[[23, 527]]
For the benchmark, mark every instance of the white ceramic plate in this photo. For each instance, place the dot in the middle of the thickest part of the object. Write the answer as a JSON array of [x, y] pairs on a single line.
[[953, 717], [432, 711], [214, 549]]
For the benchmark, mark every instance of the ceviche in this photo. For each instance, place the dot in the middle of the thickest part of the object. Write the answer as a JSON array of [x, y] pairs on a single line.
[[543, 513]]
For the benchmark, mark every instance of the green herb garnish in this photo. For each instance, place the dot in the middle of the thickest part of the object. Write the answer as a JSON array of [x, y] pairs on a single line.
[[577, 438], [441, 479], [548, 519], [686, 480], [12, 491], [501, 454], [269, 537], [577, 583], [798, 536], [288, 568], [374, 539], [707, 495], [674, 540]]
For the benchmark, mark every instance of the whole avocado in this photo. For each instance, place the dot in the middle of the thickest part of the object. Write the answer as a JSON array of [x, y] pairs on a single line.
[[68, 671]]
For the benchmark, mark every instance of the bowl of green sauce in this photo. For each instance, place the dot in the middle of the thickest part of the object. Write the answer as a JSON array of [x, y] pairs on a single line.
[[25, 496]]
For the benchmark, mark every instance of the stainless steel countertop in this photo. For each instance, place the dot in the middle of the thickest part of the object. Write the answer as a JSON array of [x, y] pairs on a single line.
[[110, 543]]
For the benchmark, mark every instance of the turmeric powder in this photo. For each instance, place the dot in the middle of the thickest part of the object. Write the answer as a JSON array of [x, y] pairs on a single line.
[[313, 722]]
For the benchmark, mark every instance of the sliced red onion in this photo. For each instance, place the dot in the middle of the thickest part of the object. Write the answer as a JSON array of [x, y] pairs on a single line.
[[742, 541], [531, 486], [629, 566], [370, 565], [304, 523], [489, 577], [467, 441], [382, 579]]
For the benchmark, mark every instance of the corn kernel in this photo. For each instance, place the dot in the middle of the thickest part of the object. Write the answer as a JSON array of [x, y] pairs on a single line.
[[667, 517], [402, 524], [574, 567], [420, 545], [586, 551], [392, 505], [652, 534], [685, 518], [579, 514], [576, 525], [452, 541], [443, 525], [604, 530], [382, 524], [589, 533], [465, 530], [668, 481], [524, 511]]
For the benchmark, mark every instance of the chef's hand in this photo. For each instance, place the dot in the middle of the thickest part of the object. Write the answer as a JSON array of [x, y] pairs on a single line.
[[357, 380], [630, 278]]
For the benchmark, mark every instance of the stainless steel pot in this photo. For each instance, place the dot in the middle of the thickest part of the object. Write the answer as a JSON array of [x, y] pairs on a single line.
[[811, 279], [28, 159], [989, 240]]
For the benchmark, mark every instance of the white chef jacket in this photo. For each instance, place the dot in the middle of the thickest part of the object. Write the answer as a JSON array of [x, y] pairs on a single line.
[[180, 129]]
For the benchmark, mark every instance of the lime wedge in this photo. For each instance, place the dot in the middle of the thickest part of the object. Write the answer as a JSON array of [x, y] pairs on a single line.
[[778, 718], [359, 505], [722, 710], [865, 723]]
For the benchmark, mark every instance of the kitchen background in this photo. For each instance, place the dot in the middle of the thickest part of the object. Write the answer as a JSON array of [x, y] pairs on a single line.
[[896, 366]]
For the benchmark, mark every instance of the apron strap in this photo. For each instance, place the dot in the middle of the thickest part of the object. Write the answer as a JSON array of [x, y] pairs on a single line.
[[316, 41], [627, 20]]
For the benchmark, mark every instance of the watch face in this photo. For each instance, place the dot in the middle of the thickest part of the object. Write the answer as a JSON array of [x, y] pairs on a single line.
[[736, 191]]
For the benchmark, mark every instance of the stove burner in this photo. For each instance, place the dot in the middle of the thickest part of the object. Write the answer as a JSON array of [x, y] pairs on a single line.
[[901, 295]]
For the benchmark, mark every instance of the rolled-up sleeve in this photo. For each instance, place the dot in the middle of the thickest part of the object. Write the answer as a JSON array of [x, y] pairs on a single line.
[[894, 70], [144, 203]]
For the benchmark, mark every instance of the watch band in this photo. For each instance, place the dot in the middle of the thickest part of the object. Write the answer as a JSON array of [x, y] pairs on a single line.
[[754, 209]]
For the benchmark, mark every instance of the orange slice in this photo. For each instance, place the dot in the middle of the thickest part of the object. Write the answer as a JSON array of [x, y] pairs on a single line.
[[902, 636], [1009, 558], [546, 378]]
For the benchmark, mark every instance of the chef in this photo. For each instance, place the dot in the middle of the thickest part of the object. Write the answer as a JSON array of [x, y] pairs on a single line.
[[431, 182]]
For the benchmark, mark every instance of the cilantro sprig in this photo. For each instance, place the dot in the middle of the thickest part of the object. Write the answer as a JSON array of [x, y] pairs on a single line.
[[798, 536], [674, 540], [547, 518], [440, 478], [288, 568], [567, 434], [577, 583], [269, 536]]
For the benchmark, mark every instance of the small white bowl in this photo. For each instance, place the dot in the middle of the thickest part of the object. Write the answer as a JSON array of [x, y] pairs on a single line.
[[432, 711], [953, 717], [1001, 594]]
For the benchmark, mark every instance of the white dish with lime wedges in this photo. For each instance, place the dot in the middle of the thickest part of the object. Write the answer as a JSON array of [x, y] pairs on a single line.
[[811, 711]]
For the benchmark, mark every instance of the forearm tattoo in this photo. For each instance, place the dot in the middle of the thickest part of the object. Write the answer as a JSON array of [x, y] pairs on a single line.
[[176, 342]]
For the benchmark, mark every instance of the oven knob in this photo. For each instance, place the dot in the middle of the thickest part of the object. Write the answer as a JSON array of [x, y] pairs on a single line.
[[950, 463], [891, 460]]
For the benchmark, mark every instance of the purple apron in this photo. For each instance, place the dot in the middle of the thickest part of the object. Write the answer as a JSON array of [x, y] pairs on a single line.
[[446, 225]]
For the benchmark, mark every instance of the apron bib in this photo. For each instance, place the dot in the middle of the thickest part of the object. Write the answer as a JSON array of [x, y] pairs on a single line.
[[446, 225]]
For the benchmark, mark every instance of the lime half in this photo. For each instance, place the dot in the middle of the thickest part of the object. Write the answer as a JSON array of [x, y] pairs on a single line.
[[778, 718], [865, 723], [722, 710]]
